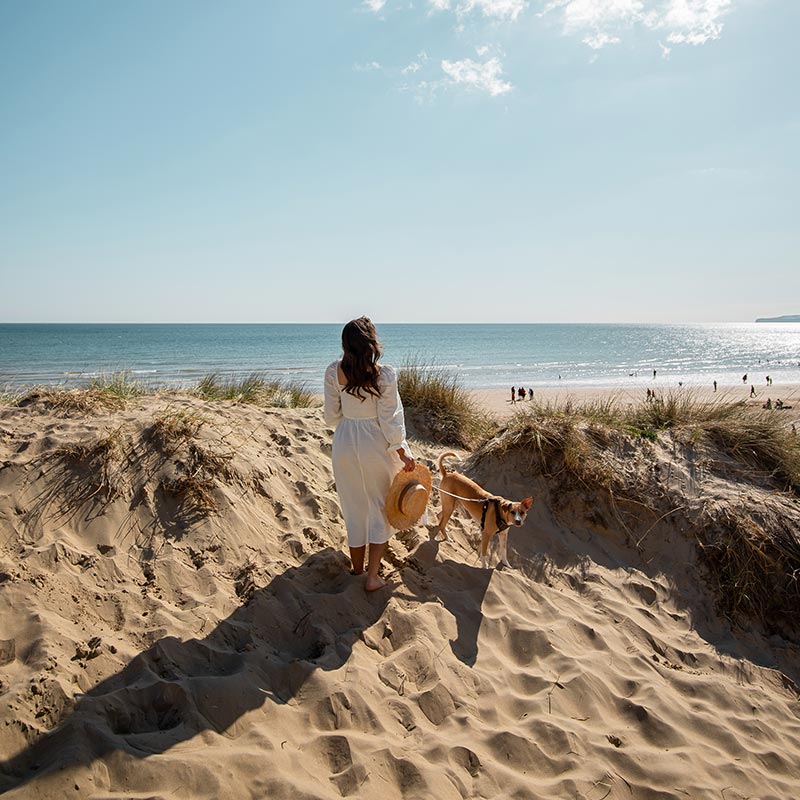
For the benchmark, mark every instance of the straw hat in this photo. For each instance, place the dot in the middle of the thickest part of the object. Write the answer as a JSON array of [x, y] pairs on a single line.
[[408, 496]]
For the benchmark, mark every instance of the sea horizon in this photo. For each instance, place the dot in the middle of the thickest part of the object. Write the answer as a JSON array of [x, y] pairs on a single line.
[[480, 355]]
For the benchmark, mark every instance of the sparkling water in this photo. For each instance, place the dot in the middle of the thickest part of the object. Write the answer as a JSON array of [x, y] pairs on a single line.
[[483, 356]]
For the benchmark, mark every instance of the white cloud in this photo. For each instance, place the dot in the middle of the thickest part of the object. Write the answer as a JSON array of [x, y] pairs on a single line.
[[416, 65], [665, 51], [581, 14], [597, 41], [600, 22], [482, 76], [482, 50], [499, 9], [369, 66], [694, 21], [375, 5]]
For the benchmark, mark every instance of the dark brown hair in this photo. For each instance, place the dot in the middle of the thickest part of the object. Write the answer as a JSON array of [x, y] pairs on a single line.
[[361, 350]]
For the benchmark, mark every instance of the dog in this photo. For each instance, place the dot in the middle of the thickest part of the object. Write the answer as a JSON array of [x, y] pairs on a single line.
[[494, 514]]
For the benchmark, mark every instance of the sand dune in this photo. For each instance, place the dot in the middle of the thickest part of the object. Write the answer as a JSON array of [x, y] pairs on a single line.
[[178, 622]]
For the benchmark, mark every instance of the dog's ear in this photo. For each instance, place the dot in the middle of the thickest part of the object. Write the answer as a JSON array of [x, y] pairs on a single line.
[[527, 503]]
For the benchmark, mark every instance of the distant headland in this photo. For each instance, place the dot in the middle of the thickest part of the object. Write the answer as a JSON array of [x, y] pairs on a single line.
[[786, 318]]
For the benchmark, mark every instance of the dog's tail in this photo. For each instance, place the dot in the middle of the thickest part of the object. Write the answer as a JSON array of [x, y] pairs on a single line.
[[442, 457]]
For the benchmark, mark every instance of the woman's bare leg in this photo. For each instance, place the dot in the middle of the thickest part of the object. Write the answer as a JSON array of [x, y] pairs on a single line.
[[357, 559], [374, 582]]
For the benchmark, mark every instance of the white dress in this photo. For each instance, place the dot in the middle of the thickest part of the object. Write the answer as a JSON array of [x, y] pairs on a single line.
[[365, 460]]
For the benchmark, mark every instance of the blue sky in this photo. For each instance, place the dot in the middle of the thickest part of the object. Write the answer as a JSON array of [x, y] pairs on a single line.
[[434, 160]]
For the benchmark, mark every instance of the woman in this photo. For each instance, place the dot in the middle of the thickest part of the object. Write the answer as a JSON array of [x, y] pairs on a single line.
[[369, 446]]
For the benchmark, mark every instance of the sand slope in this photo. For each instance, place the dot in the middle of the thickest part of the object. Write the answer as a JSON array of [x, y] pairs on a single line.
[[177, 621]]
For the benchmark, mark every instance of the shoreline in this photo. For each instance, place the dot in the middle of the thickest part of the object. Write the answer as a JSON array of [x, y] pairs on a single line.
[[497, 401]]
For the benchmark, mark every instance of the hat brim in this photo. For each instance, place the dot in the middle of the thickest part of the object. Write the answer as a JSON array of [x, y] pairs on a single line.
[[394, 514]]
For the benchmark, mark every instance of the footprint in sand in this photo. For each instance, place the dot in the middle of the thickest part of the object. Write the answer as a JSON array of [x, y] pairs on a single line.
[[335, 752]]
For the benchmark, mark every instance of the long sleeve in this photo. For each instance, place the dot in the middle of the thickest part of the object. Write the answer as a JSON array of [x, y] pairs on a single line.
[[332, 405], [390, 411]]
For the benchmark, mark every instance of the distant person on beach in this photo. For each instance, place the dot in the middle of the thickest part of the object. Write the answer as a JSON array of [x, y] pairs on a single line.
[[654, 374], [369, 444], [715, 386], [521, 392], [513, 395], [769, 381], [744, 378], [752, 391]]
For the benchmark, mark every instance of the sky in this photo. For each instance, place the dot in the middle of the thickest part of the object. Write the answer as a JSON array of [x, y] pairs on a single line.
[[424, 161]]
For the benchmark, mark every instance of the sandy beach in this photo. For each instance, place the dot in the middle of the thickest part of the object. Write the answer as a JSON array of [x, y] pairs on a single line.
[[498, 400], [177, 621]]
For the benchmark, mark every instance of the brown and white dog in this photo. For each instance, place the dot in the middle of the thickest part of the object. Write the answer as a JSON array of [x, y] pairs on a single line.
[[494, 514]]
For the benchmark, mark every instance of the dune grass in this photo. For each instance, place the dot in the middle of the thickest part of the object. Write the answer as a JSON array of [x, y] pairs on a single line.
[[255, 389], [758, 439], [105, 392], [110, 392], [439, 407], [174, 427]]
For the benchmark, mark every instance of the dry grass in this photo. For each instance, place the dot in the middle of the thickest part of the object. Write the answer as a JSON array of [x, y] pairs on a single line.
[[118, 384], [82, 401], [440, 409], [94, 468], [753, 558], [173, 428], [255, 389], [759, 440], [194, 494], [199, 466], [104, 393]]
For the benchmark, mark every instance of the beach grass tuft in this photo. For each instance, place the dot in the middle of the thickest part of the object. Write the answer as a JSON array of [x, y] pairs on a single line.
[[255, 389], [94, 468], [117, 384], [756, 438], [174, 427], [439, 407], [82, 401], [105, 392]]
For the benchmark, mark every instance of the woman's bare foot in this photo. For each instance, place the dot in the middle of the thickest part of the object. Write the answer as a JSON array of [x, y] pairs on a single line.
[[373, 584]]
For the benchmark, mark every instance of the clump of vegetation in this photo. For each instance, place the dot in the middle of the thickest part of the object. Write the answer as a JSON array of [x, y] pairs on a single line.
[[753, 557], [439, 407], [97, 463], [194, 494], [758, 439], [8, 397], [83, 401], [174, 427], [103, 393], [117, 384], [255, 389]]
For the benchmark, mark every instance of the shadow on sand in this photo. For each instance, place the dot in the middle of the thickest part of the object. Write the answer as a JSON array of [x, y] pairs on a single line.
[[306, 619]]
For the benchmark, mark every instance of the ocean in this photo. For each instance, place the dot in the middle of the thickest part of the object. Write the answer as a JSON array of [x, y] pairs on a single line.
[[482, 356]]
